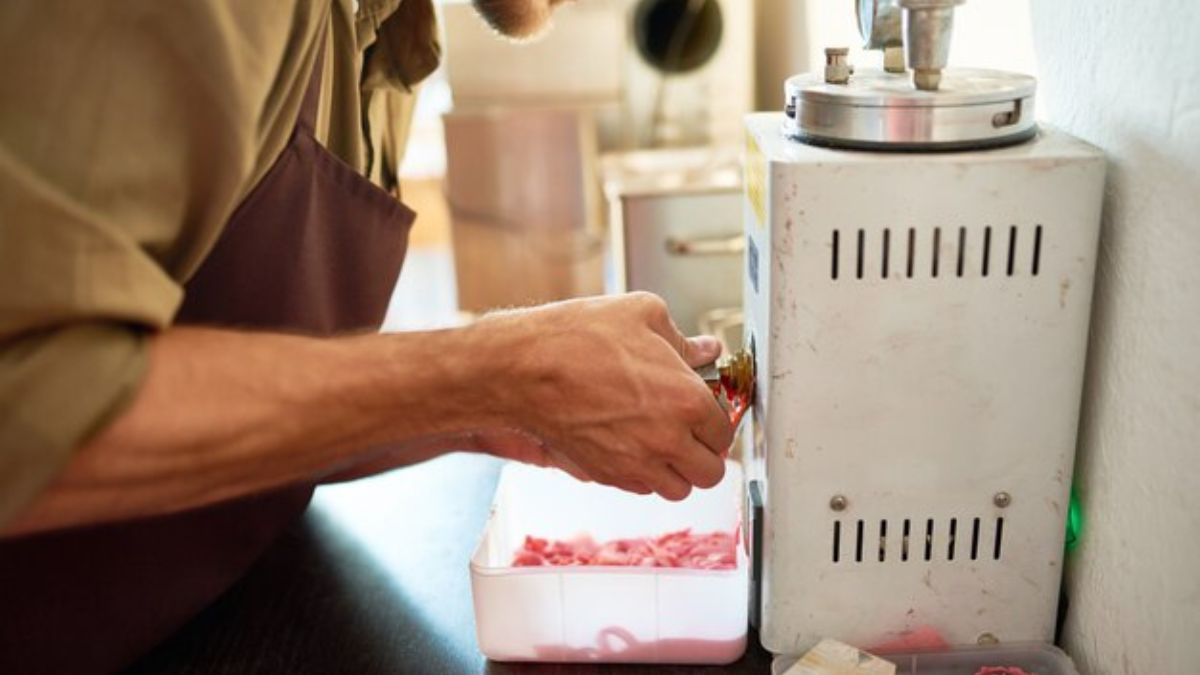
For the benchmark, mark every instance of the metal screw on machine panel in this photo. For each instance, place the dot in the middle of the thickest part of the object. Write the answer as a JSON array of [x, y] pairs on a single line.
[[838, 503], [987, 639], [1002, 499], [837, 66]]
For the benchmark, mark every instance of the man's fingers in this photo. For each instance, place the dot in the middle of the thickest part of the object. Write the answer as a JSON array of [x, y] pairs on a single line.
[[700, 350], [714, 429], [569, 466], [696, 352], [637, 487], [628, 485], [698, 465], [670, 485], [622, 480]]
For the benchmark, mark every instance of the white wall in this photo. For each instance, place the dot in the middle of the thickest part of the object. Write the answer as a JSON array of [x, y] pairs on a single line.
[[1126, 77]]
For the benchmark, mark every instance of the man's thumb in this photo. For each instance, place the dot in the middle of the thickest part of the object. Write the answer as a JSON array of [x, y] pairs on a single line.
[[701, 350]]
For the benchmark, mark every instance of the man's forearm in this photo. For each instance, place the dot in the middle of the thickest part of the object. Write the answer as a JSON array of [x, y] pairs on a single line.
[[600, 387], [222, 414]]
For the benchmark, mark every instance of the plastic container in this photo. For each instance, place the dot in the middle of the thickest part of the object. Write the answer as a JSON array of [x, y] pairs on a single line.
[[606, 614], [1034, 659]]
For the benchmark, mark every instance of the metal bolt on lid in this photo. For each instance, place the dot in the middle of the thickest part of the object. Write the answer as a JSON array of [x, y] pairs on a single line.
[[837, 66]]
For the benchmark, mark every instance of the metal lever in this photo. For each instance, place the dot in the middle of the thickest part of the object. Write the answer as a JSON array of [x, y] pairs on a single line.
[[706, 246]]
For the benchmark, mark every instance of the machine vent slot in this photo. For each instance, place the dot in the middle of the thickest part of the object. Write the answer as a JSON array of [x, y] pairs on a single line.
[[960, 248], [887, 253], [833, 273], [937, 245], [999, 546], [865, 548], [929, 539], [858, 545], [975, 540], [882, 540], [837, 541], [953, 537], [987, 248], [1012, 248], [1037, 250], [862, 241], [912, 248]]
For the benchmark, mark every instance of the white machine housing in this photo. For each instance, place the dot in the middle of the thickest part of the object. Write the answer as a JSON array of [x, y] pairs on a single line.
[[919, 323]]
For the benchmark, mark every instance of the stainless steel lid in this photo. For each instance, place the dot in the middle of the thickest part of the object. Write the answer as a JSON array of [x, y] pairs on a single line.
[[883, 111]]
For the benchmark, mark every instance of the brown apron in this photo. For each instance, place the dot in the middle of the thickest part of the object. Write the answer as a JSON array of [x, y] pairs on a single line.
[[315, 248]]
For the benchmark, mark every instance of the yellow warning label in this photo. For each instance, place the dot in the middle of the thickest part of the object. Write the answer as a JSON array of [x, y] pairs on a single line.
[[756, 179]]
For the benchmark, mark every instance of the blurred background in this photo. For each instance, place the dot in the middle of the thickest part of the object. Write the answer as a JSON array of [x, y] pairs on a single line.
[[605, 155]]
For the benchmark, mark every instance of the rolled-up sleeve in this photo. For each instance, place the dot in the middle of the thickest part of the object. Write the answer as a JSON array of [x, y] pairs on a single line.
[[75, 304], [129, 132], [77, 298], [56, 388]]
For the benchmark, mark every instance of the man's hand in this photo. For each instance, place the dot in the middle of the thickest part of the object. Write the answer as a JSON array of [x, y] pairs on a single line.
[[604, 389]]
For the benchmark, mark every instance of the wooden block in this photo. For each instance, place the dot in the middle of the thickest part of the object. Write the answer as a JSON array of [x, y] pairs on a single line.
[[831, 657]]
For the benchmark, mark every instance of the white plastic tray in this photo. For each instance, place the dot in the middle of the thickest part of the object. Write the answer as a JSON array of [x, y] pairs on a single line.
[[606, 614], [1035, 659]]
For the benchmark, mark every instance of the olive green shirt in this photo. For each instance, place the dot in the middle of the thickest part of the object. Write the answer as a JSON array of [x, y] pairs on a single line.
[[129, 133]]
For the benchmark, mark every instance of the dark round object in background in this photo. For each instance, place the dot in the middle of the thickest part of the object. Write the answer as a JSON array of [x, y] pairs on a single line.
[[677, 36]]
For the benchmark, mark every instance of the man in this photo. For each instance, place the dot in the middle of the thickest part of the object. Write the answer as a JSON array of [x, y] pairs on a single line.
[[191, 266]]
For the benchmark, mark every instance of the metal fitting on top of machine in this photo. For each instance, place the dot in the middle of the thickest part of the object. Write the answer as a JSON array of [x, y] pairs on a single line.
[[939, 108], [837, 65], [881, 25], [877, 110], [928, 27]]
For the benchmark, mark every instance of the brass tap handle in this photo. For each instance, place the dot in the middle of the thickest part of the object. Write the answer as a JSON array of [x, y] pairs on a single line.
[[737, 374], [731, 380]]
